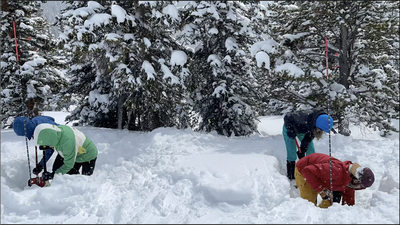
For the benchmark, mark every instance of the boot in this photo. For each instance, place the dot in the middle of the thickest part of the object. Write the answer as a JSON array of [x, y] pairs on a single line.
[[290, 165]]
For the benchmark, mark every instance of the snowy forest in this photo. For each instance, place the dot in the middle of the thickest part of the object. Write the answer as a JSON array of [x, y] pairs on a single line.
[[205, 65]]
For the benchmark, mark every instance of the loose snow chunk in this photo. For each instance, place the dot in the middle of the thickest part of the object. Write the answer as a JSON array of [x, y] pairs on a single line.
[[220, 89], [168, 74], [227, 59], [28, 66], [123, 66], [230, 44], [261, 58], [120, 13], [205, 7], [147, 42], [267, 46], [112, 36], [178, 58], [214, 60], [93, 47], [98, 20], [338, 88], [292, 37], [148, 69], [213, 30], [128, 37], [363, 69], [378, 84], [95, 97], [172, 11], [291, 7], [291, 69], [94, 5], [317, 74]]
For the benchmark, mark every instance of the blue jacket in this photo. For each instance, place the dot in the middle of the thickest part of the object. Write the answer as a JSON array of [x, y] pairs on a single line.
[[30, 125]]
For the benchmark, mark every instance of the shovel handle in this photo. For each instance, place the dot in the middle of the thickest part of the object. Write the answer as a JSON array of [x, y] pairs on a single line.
[[297, 144], [36, 155]]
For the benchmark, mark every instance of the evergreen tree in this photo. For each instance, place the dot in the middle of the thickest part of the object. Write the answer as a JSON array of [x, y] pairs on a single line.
[[158, 99], [29, 81], [126, 56], [361, 41], [220, 82], [84, 28]]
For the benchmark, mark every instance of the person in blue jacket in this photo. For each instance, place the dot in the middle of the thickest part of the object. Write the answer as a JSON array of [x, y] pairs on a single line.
[[306, 125], [27, 130]]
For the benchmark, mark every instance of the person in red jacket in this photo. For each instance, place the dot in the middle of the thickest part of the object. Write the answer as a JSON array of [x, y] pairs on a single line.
[[312, 176]]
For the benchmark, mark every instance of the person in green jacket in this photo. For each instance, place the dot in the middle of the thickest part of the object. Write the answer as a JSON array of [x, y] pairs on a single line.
[[75, 149]]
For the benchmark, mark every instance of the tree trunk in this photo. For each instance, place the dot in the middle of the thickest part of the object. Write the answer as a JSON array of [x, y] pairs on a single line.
[[344, 60], [120, 108], [343, 127]]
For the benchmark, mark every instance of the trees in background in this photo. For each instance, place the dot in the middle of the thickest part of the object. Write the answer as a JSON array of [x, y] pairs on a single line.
[[125, 49], [363, 54], [221, 87], [239, 60], [32, 79]]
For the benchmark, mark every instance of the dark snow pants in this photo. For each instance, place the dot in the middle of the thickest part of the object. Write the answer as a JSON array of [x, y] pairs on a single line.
[[87, 167]]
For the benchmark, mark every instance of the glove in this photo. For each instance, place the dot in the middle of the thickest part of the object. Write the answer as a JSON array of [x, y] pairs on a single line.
[[291, 134], [37, 169], [48, 176], [44, 147], [326, 194], [303, 148], [301, 155]]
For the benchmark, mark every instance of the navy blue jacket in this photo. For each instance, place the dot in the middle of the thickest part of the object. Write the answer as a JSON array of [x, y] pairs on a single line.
[[23, 126], [302, 122]]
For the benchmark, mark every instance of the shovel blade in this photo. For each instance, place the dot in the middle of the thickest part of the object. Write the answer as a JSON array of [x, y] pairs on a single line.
[[38, 181]]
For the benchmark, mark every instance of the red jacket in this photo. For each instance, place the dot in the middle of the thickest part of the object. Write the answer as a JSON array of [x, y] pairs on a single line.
[[316, 171]]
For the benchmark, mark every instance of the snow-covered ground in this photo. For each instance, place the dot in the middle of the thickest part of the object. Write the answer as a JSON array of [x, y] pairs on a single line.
[[180, 176]]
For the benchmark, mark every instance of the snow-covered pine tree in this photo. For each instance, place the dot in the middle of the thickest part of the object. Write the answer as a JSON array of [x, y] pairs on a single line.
[[271, 88], [375, 70], [30, 82], [253, 28], [290, 78], [158, 89], [220, 80], [88, 32], [126, 56]]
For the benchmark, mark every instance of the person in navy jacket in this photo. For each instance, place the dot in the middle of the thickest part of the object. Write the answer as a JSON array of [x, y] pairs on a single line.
[[23, 126], [306, 125]]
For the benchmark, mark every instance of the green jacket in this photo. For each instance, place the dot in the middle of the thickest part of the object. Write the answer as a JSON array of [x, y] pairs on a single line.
[[73, 145]]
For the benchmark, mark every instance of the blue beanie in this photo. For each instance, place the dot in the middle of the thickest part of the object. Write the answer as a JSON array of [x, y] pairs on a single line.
[[18, 126], [322, 122]]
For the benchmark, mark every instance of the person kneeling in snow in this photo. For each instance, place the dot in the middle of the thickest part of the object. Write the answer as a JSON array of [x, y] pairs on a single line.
[[312, 176], [75, 149], [23, 126]]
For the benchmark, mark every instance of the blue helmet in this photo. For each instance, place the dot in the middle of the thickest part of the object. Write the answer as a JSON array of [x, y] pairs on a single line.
[[322, 122], [19, 127]]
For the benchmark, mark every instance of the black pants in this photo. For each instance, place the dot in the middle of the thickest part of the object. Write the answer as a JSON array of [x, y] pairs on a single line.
[[87, 167], [337, 196]]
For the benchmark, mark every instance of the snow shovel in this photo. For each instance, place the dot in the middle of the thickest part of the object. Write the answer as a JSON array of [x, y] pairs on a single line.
[[299, 153], [39, 181], [46, 175]]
